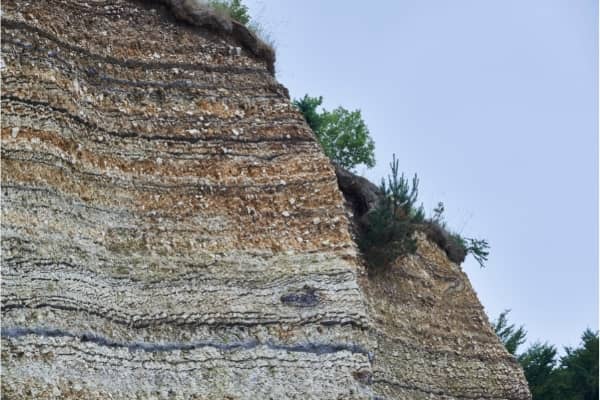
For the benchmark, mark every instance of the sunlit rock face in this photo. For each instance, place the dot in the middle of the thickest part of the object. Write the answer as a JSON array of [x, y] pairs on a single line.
[[171, 229]]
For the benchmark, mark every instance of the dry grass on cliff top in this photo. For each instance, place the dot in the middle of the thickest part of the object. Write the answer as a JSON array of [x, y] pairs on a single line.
[[219, 19]]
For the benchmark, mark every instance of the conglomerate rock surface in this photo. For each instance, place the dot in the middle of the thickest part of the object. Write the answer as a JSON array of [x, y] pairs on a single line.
[[434, 340], [171, 229]]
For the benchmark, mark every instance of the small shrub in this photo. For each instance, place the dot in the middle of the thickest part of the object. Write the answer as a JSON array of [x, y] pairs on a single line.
[[232, 8], [386, 237], [456, 246], [389, 230], [479, 249]]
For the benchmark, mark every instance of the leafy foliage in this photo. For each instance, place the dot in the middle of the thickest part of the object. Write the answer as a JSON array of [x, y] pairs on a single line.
[[345, 138], [575, 377], [308, 107], [478, 248], [539, 365], [234, 8], [343, 134], [456, 246], [511, 336], [579, 368]]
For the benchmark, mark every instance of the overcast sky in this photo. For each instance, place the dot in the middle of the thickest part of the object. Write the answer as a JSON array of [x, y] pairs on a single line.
[[494, 104]]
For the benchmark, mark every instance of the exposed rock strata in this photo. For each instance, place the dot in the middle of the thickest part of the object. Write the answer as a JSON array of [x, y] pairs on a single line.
[[171, 228], [433, 337], [434, 340]]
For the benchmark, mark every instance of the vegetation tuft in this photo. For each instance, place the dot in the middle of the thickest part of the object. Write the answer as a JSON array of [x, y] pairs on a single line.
[[388, 231], [238, 11], [343, 134], [456, 246], [232, 8]]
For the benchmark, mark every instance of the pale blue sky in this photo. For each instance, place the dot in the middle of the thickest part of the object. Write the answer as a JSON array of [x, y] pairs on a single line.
[[495, 105]]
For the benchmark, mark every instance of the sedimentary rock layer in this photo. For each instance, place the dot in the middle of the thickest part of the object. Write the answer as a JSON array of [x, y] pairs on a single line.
[[171, 229], [434, 340], [170, 225]]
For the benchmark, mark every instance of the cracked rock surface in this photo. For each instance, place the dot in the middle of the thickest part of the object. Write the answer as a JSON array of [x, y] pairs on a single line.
[[172, 230]]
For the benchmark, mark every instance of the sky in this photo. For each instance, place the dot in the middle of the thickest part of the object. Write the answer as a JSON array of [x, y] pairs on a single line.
[[494, 104]]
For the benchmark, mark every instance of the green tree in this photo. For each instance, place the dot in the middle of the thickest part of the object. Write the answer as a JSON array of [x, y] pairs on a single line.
[[539, 364], [401, 195], [308, 107], [343, 134], [511, 336], [574, 378], [579, 368]]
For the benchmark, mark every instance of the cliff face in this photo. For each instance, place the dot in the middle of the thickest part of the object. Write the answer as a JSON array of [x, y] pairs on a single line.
[[433, 338], [171, 229]]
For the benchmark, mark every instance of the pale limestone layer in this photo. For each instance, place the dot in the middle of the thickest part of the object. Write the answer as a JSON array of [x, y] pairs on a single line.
[[171, 229]]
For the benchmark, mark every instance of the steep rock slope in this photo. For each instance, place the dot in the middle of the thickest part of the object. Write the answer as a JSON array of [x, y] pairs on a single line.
[[434, 340], [171, 228]]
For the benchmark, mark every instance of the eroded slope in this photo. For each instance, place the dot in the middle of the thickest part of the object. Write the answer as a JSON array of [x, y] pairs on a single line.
[[434, 340], [171, 229]]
